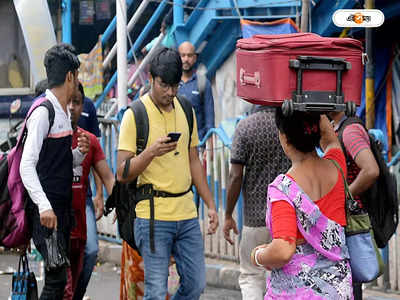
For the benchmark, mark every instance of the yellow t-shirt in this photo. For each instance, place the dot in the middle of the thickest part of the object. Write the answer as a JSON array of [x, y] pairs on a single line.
[[170, 172]]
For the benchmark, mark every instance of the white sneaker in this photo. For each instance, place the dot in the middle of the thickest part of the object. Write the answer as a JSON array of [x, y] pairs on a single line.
[[86, 298]]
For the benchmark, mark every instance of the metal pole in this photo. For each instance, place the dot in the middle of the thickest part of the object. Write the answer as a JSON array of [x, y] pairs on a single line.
[[111, 27], [178, 12], [154, 18], [305, 8], [135, 47], [108, 32], [121, 56], [66, 21], [131, 24], [146, 60], [369, 74], [59, 24]]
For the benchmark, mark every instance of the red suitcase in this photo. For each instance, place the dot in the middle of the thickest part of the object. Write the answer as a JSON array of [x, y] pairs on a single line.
[[304, 67]]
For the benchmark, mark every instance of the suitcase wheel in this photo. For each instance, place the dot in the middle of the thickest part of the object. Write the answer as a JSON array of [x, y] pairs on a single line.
[[287, 108], [350, 109]]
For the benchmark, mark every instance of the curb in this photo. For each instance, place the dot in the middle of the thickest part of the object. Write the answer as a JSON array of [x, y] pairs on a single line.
[[222, 274], [218, 273]]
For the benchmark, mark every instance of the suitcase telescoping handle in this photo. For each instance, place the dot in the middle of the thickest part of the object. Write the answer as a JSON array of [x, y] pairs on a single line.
[[249, 78], [319, 100], [320, 63]]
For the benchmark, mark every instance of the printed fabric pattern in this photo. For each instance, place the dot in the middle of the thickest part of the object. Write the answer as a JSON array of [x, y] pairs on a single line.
[[320, 268]]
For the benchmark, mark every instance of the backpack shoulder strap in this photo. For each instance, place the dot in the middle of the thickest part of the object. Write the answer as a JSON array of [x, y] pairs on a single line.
[[349, 197], [52, 113], [39, 102], [342, 127], [201, 85], [142, 125], [188, 109]]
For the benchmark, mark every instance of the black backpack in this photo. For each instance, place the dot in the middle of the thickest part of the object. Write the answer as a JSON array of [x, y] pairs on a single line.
[[381, 199], [125, 210]]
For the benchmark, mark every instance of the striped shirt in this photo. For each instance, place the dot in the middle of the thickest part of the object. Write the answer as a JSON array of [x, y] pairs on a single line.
[[355, 140]]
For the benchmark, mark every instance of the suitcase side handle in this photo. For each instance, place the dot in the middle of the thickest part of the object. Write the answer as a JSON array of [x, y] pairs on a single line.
[[250, 78]]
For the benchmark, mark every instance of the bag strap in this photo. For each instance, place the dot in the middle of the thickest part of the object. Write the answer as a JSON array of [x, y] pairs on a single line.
[[142, 121], [142, 136], [349, 197], [45, 103], [146, 190], [52, 113], [142, 124], [21, 263], [126, 168], [26, 264], [188, 110], [342, 127]]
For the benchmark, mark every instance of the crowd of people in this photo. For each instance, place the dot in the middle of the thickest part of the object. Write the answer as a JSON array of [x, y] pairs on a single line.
[[294, 199]]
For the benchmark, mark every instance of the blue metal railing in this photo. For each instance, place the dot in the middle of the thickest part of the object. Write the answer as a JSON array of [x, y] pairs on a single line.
[[217, 144], [182, 28], [66, 6], [154, 18], [66, 23], [395, 159], [146, 30], [111, 27]]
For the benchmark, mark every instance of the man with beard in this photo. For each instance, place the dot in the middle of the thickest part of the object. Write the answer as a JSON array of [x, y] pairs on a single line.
[[197, 89]]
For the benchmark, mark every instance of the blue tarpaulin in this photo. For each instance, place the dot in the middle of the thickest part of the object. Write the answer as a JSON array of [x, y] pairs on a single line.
[[250, 28]]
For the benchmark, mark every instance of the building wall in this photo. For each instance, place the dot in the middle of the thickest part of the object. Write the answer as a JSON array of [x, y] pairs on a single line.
[[226, 102]]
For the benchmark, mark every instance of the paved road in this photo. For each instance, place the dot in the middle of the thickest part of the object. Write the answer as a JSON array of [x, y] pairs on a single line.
[[105, 284]]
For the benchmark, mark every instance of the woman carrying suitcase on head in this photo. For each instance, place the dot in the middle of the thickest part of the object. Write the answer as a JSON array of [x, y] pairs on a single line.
[[308, 256]]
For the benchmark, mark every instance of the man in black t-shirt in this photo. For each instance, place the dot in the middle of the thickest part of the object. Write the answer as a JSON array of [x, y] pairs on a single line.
[[257, 151]]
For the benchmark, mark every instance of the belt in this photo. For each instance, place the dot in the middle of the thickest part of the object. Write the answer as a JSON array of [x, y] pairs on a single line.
[[146, 192]]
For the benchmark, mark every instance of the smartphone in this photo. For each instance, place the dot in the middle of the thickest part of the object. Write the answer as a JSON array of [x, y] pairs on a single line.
[[174, 136]]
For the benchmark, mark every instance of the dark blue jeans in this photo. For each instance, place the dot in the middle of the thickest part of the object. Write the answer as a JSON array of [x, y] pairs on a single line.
[[91, 250], [184, 241]]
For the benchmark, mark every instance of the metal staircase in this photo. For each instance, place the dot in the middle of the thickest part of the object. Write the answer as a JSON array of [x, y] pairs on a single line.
[[213, 26]]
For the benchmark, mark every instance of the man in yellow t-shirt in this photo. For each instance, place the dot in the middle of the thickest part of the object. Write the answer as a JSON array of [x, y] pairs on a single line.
[[170, 167]]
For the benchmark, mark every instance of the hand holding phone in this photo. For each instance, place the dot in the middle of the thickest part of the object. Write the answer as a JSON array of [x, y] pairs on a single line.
[[174, 136]]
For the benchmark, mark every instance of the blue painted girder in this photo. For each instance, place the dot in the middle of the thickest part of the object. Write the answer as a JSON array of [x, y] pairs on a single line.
[[220, 45], [218, 22], [204, 18]]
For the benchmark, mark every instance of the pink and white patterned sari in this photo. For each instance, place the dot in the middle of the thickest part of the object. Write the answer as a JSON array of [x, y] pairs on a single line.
[[320, 268]]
